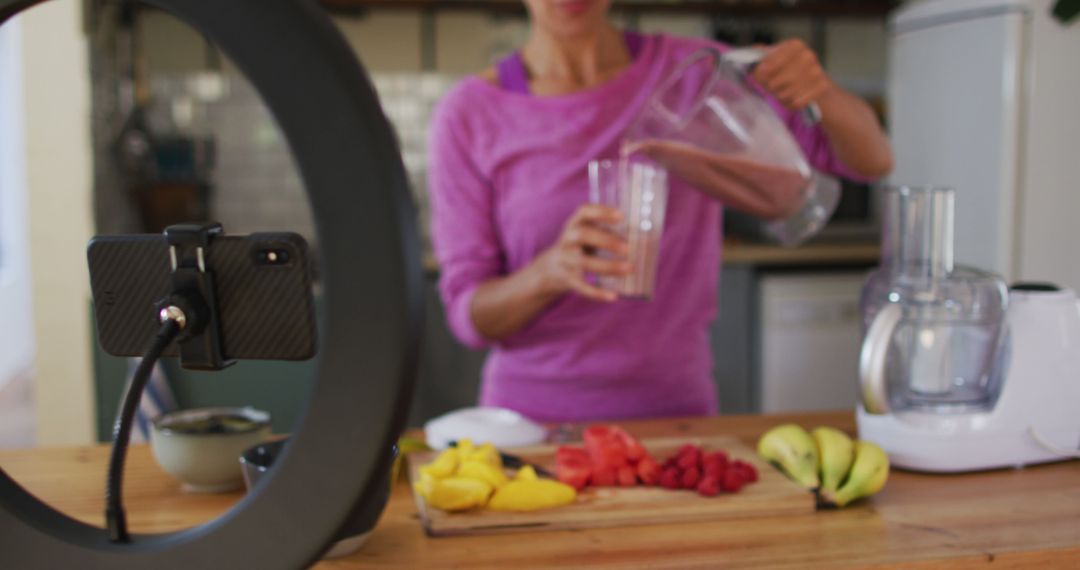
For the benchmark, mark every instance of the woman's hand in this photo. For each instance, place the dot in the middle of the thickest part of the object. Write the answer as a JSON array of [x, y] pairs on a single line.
[[563, 267], [791, 72]]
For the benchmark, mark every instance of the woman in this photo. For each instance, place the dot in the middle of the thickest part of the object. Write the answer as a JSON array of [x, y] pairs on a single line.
[[515, 241]]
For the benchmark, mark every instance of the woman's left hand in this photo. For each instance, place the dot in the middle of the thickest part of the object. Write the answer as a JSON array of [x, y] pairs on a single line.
[[791, 72]]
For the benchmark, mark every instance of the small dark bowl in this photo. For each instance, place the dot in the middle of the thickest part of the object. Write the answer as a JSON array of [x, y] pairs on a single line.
[[257, 461]]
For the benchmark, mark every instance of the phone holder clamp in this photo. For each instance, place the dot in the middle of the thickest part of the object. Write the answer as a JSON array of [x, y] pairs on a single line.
[[192, 302]]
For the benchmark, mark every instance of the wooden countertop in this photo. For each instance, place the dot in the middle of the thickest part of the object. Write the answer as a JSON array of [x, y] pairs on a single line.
[[838, 253], [1011, 518]]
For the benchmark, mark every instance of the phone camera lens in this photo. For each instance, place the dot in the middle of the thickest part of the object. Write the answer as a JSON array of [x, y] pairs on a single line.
[[273, 256]]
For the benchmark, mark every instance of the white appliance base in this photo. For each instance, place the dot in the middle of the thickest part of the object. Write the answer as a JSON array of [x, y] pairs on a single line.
[[940, 443]]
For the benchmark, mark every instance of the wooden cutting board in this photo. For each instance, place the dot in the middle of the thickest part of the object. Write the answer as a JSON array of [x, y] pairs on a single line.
[[772, 495]]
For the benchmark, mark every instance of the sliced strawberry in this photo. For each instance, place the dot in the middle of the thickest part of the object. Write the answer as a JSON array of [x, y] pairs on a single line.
[[604, 447], [577, 476], [671, 478], [690, 478], [604, 476], [709, 486], [571, 455], [608, 454], [634, 450], [648, 471], [627, 476], [596, 432]]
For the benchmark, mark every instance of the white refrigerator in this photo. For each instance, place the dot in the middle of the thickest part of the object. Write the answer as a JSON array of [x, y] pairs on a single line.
[[984, 96]]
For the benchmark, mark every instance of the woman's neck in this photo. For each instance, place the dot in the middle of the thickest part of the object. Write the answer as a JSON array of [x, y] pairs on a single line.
[[560, 65]]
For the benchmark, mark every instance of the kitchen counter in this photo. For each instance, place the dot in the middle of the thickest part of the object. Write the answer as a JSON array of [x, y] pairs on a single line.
[[1016, 518]]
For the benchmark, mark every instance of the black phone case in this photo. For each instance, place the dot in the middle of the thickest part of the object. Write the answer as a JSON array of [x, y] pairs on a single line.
[[265, 310]]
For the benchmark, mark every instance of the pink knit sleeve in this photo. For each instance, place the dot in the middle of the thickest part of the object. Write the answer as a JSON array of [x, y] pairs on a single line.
[[463, 228]]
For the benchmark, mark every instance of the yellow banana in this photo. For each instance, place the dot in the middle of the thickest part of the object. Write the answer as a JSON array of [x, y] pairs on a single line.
[[868, 475], [790, 448], [836, 452]]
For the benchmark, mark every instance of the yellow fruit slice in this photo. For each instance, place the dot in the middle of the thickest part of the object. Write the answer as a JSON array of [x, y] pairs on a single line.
[[523, 495], [485, 454], [526, 473], [484, 472], [458, 494], [445, 465]]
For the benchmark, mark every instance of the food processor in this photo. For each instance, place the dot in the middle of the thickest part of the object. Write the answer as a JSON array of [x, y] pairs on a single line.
[[957, 371]]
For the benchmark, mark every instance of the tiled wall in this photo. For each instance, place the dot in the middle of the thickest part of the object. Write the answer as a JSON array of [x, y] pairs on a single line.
[[255, 183]]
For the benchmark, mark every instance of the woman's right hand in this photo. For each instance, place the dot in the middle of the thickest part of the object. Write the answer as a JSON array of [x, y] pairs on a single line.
[[563, 266]]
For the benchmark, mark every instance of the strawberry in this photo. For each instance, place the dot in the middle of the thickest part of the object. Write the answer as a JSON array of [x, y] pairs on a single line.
[[604, 476], [572, 455], [709, 486], [577, 476], [634, 450], [627, 476], [690, 478], [648, 471], [670, 479]]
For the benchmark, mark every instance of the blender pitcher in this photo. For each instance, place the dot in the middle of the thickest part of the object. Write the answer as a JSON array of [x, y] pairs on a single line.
[[708, 124], [933, 333]]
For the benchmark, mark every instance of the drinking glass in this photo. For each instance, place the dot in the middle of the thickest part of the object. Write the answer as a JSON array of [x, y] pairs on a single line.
[[638, 188]]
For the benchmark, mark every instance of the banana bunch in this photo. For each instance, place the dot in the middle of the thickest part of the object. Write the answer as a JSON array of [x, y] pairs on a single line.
[[826, 461]]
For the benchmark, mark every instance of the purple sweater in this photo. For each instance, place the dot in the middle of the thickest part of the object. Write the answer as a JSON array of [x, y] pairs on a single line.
[[506, 171]]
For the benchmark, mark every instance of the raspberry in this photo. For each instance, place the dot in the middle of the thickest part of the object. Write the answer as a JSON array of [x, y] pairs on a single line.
[[690, 478], [746, 471], [716, 456], [690, 460], [732, 481], [670, 479], [714, 469], [709, 487]]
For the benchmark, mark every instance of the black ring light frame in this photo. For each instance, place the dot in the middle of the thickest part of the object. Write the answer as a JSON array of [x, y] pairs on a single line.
[[370, 252]]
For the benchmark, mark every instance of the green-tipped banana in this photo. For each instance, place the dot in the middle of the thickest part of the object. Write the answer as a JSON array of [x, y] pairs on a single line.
[[836, 452], [791, 449], [868, 475]]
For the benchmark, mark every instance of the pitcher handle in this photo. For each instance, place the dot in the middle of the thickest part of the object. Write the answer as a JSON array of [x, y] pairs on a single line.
[[872, 359]]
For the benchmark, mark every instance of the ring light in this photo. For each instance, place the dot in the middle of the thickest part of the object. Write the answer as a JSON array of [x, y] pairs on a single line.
[[372, 287]]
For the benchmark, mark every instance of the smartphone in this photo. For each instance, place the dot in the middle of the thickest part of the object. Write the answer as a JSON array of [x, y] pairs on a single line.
[[262, 283]]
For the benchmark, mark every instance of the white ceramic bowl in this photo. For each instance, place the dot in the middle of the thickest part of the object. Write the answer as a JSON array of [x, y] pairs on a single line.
[[202, 447]]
